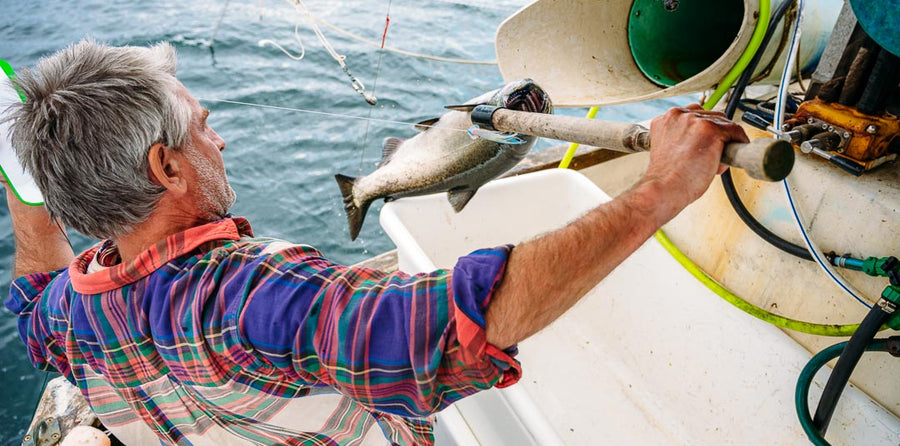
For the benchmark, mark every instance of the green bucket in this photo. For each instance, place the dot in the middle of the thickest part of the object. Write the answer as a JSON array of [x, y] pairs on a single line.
[[670, 46]]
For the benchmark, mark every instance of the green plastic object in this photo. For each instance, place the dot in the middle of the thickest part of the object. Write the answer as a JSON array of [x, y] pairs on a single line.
[[8, 70], [18, 181], [671, 45]]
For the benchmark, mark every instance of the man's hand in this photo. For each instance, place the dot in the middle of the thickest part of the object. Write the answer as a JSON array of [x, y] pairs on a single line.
[[687, 145], [41, 243]]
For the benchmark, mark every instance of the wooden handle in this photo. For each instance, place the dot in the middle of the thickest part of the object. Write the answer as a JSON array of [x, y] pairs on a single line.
[[764, 159]]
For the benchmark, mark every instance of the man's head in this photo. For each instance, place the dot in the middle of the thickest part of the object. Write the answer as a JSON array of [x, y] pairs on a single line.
[[96, 121]]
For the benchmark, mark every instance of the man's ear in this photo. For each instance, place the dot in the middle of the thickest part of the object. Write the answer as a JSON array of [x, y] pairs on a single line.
[[167, 168]]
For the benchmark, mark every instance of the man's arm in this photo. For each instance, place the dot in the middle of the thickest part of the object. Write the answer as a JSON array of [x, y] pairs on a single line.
[[41, 244], [548, 275]]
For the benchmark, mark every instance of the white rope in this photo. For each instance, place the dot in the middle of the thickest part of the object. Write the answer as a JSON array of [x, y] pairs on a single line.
[[265, 42], [303, 11]]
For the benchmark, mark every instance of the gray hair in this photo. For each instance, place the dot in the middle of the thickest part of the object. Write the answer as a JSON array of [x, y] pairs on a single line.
[[91, 113]]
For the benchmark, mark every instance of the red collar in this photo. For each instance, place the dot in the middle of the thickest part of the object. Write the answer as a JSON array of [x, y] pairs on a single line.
[[153, 258]]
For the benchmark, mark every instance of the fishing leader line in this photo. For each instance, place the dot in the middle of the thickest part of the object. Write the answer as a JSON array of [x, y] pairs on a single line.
[[361, 118], [336, 115], [365, 141]]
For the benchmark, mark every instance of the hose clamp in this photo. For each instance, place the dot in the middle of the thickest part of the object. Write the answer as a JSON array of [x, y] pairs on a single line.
[[886, 305]]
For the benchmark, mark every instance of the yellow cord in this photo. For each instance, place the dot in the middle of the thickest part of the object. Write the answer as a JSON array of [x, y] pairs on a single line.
[[567, 159], [747, 307]]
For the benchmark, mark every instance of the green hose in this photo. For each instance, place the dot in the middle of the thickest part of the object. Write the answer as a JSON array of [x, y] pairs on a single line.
[[755, 40], [801, 395]]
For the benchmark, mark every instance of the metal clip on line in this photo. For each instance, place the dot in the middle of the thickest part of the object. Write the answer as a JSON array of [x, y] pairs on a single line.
[[358, 86]]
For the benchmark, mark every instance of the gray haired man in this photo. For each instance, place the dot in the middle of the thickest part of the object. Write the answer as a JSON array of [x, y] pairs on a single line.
[[181, 327]]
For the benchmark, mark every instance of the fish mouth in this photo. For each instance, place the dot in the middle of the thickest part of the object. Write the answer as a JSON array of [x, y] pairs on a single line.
[[528, 97]]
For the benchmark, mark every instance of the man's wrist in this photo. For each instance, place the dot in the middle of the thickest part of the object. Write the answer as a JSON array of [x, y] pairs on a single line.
[[654, 200]]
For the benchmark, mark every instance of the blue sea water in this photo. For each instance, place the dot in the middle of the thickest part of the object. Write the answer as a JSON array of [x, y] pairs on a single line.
[[281, 163]]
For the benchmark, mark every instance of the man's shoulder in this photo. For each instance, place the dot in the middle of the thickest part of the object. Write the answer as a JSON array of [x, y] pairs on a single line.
[[272, 251]]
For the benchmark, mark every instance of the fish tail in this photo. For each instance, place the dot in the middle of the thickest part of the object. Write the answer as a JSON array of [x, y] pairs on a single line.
[[355, 215]]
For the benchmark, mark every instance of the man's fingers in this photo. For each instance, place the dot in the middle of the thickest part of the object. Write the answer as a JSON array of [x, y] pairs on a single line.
[[734, 131]]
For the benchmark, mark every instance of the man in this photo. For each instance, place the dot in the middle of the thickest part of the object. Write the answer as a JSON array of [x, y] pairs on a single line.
[[182, 326]]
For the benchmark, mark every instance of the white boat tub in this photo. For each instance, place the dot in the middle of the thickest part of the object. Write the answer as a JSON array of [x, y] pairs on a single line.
[[649, 356]]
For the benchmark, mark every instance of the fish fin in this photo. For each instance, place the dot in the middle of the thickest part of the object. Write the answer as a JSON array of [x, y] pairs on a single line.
[[459, 198], [390, 147], [355, 215], [462, 107], [426, 124]]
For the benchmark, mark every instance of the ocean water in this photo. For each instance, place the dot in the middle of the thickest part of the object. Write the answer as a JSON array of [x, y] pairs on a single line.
[[280, 162]]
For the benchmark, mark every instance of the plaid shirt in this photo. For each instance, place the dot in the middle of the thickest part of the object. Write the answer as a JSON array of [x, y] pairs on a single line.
[[212, 337]]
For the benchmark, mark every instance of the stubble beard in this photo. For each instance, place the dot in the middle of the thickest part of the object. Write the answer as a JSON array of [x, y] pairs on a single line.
[[216, 195]]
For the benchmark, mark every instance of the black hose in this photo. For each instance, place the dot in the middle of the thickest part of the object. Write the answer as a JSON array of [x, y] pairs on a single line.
[[845, 365], [727, 181], [756, 226]]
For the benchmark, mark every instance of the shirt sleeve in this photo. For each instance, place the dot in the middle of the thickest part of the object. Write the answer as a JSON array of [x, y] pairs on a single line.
[[406, 345], [30, 299]]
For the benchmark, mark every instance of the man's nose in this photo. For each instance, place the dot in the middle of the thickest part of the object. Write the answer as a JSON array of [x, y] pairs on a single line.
[[220, 143]]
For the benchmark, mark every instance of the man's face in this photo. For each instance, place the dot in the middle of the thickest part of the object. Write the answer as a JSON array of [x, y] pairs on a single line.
[[209, 183]]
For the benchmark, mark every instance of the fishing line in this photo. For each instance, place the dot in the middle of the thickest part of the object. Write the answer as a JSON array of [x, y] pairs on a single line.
[[488, 6], [212, 39], [336, 115], [365, 141]]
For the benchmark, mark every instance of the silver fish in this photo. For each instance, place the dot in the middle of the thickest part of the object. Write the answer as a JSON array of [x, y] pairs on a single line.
[[443, 157]]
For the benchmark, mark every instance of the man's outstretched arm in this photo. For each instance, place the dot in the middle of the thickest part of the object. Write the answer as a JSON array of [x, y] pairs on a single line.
[[548, 275], [41, 245]]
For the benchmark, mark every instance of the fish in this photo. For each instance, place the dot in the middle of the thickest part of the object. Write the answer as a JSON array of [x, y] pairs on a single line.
[[449, 155]]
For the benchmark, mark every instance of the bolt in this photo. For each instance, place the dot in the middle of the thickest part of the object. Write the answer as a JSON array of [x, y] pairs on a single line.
[[785, 127], [670, 5], [825, 125], [50, 420], [846, 135], [28, 438], [809, 146], [871, 129], [55, 436], [810, 121]]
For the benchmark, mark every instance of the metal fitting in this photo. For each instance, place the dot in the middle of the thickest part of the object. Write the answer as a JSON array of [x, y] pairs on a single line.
[[886, 306], [821, 141], [872, 129], [809, 146]]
